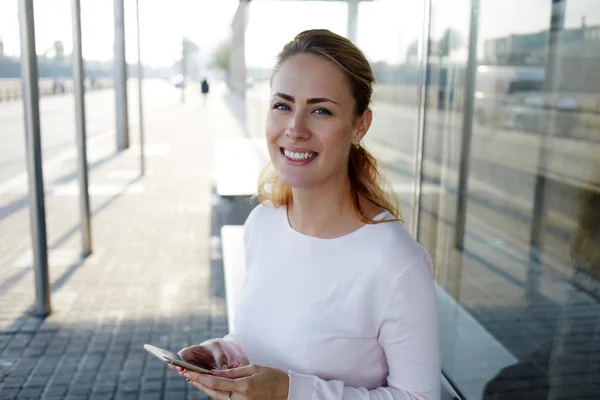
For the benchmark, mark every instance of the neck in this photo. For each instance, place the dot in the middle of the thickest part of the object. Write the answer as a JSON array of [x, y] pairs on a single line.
[[324, 212]]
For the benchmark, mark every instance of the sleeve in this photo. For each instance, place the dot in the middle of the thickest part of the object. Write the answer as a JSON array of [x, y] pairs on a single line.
[[234, 350], [409, 336]]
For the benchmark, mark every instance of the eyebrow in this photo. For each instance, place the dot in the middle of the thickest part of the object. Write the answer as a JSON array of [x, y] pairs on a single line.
[[309, 101]]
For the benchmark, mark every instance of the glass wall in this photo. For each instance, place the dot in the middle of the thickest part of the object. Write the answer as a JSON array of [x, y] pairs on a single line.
[[397, 68], [506, 98], [513, 225]]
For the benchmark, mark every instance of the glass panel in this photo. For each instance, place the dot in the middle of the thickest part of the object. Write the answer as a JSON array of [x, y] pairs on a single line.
[[395, 62], [520, 290]]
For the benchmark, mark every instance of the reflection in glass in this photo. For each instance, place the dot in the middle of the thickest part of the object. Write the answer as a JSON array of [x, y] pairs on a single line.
[[519, 300], [396, 65]]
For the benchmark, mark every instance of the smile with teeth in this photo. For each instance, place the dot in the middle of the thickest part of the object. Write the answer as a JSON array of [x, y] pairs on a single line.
[[298, 156]]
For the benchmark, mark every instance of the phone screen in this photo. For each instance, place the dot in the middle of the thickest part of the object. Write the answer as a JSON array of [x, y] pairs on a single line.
[[171, 358]]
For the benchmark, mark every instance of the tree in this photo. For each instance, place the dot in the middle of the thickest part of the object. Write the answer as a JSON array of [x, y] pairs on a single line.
[[189, 47], [221, 57], [189, 50], [449, 42], [59, 51], [412, 54]]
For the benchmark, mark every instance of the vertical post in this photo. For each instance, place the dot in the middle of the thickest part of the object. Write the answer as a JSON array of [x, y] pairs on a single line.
[[183, 67], [421, 120], [237, 77], [140, 77], [79, 90], [538, 222], [467, 130], [37, 209], [352, 19], [121, 77]]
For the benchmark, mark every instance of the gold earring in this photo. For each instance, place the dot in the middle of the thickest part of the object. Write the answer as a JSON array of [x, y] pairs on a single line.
[[357, 146]]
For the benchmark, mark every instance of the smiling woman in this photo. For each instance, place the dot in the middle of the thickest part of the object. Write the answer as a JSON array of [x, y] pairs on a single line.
[[339, 301], [329, 63]]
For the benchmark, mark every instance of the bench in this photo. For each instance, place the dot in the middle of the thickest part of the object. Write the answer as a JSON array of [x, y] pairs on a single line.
[[234, 268], [239, 162]]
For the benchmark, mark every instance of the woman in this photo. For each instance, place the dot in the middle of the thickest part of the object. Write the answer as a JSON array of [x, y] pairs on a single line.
[[339, 300]]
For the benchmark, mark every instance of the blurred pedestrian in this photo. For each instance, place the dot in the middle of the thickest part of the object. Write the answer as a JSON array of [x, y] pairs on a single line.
[[205, 88]]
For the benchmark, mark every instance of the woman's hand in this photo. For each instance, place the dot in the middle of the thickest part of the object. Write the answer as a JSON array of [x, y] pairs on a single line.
[[252, 382]]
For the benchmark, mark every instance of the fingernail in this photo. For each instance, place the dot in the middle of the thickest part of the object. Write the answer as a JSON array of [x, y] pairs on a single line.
[[187, 375], [236, 364], [179, 369], [224, 366], [216, 372]]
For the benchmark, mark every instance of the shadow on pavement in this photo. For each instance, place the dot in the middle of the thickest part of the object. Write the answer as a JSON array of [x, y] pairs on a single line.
[[60, 281]]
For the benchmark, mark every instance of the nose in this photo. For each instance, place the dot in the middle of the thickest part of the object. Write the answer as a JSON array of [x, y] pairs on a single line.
[[297, 128]]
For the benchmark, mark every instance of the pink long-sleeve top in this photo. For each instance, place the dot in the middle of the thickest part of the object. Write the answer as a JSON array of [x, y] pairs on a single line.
[[349, 318]]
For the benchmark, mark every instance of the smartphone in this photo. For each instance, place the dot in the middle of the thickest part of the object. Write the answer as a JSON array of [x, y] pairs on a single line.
[[173, 359]]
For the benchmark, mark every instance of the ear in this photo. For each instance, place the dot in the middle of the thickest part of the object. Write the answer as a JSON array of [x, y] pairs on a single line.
[[362, 124]]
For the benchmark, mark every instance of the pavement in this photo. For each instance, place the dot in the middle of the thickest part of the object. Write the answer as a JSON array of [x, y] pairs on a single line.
[[152, 276]]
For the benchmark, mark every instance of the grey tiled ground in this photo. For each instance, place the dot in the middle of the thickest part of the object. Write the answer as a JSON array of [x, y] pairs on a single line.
[[149, 279]]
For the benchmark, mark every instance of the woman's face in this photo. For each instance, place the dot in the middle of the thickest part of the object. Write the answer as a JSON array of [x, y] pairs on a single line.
[[311, 124]]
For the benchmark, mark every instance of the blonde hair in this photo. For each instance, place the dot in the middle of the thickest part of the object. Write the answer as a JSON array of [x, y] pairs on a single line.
[[365, 178]]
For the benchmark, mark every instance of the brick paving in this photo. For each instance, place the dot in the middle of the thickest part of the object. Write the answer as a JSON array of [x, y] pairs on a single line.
[[150, 279]]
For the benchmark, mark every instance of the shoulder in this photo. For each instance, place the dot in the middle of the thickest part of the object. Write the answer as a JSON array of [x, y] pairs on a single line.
[[260, 215], [261, 219], [396, 249], [261, 222]]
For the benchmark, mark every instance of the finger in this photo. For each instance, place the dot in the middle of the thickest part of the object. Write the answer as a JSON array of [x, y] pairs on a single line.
[[214, 394], [237, 372], [217, 383]]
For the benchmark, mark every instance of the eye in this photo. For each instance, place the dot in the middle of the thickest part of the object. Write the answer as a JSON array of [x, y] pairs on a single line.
[[281, 107], [322, 111]]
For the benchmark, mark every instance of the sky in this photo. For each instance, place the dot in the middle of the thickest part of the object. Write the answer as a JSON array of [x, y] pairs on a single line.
[[163, 24], [386, 28]]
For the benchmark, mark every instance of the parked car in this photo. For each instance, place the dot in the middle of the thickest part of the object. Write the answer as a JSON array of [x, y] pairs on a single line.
[[495, 85]]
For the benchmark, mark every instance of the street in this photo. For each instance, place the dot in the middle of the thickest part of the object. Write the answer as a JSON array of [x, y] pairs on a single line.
[[57, 120]]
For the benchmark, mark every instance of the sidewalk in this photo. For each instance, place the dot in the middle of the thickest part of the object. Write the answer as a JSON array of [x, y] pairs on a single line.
[[149, 279]]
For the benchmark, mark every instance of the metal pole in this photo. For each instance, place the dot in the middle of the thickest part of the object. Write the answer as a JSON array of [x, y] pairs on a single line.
[[37, 209], [352, 19], [183, 68], [79, 90], [140, 76], [467, 130], [538, 222], [121, 77], [421, 120]]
